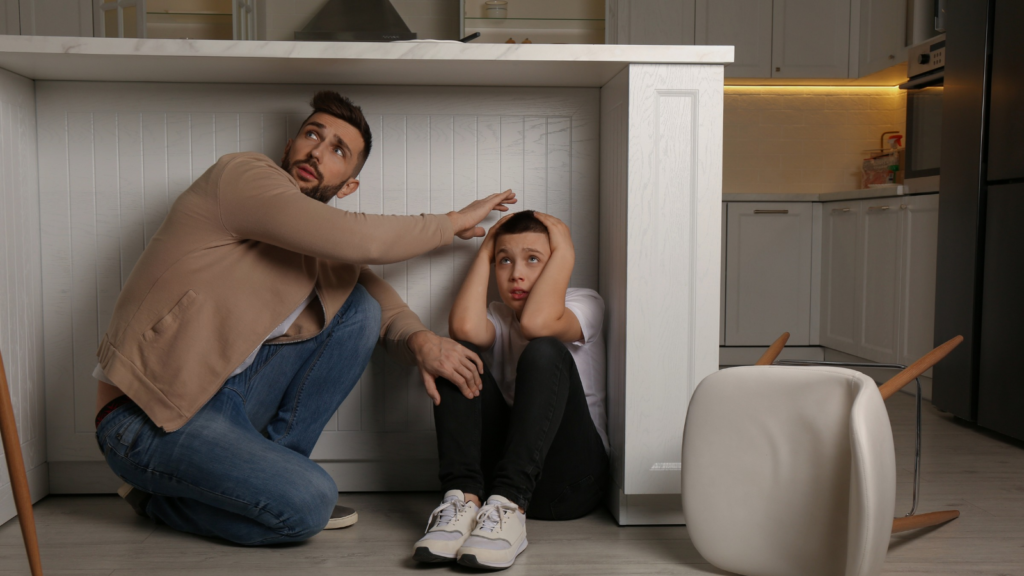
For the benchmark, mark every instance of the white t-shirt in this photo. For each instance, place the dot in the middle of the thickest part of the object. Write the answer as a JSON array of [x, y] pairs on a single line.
[[283, 327], [588, 353]]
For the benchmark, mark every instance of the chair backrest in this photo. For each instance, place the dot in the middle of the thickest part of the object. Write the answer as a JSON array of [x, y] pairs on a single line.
[[789, 471]]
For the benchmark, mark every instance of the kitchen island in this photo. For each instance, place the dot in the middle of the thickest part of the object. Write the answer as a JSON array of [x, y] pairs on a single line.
[[624, 143]]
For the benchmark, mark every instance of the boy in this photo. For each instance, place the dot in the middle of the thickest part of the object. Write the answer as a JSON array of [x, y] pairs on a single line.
[[534, 437]]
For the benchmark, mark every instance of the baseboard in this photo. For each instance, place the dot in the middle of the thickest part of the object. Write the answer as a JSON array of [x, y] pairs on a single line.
[[645, 509], [38, 487], [367, 476], [82, 478], [747, 355]]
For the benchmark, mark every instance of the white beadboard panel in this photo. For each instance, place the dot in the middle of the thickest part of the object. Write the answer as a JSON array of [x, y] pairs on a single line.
[[21, 303], [434, 150]]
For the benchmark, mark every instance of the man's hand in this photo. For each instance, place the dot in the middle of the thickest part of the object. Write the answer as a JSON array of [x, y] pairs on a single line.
[[465, 221], [558, 233], [439, 357]]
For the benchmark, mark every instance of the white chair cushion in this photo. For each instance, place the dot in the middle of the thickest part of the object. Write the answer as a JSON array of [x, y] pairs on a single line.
[[789, 471]]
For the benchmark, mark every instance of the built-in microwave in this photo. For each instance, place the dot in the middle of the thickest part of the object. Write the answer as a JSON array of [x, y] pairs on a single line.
[[926, 68]]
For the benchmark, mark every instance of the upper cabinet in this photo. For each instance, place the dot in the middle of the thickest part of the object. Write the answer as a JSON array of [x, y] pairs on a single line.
[[780, 38], [650, 21], [883, 35], [811, 39], [196, 19], [745, 24]]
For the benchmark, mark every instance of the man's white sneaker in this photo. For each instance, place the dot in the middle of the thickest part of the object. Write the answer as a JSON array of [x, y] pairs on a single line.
[[499, 537], [448, 527]]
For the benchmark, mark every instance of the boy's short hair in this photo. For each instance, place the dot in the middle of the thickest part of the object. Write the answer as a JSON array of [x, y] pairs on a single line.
[[521, 223], [334, 104]]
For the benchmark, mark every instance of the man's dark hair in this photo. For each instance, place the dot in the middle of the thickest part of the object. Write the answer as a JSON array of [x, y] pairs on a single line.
[[521, 223], [330, 102]]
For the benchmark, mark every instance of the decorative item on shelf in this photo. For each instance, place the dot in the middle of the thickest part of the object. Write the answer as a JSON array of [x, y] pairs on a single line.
[[884, 165], [527, 41], [510, 41], [496, 8]]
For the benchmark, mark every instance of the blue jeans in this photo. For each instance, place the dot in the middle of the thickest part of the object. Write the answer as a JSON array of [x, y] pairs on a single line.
[[240, 468]]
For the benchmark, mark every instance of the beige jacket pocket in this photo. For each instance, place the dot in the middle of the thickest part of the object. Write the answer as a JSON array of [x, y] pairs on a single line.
[[169, 322]]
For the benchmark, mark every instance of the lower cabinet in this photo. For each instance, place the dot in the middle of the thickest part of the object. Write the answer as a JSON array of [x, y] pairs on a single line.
[[878, 277], [870, 292], [768, 272]]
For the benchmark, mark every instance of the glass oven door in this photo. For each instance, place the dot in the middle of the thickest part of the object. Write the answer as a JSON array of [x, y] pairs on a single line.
[[924, 138]]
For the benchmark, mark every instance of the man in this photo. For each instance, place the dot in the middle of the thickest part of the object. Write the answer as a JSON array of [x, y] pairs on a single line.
[[247, 321]]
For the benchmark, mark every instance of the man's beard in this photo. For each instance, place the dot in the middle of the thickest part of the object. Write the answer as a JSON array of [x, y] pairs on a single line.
[[322, 192]]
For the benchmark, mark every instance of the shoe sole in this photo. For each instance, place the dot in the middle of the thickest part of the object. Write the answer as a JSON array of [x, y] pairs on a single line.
[[344, 522], [424, 554], [471, 561]]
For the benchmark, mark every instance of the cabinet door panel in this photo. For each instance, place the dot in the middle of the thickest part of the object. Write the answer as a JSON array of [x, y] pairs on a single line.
[[883, 34], [880, 273], [920, 236], [768, 282], [745, 24], [840, 298], [811, 39], [655, 22]]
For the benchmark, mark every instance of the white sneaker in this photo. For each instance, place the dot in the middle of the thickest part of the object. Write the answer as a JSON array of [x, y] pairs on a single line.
[[499, 537], [448, 527]]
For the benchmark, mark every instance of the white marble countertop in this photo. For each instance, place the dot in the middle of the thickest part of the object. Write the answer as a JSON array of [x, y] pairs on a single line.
[[880, 192], [402, 63]]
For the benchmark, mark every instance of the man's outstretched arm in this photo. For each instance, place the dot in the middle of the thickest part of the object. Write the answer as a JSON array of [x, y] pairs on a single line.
[[405, 337], [259, 201]]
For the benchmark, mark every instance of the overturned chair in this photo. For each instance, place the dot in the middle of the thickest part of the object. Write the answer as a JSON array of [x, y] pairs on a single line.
[[791, 471]]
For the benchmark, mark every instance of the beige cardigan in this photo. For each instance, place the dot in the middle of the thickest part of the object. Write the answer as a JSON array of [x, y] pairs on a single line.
[[239, 250]]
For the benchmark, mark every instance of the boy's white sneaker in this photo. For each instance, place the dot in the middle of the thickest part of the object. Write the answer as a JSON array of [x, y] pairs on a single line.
[[499, 536], [450, 524]]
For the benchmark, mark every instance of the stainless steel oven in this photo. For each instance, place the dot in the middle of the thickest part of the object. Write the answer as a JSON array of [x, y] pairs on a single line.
[[926, 69]]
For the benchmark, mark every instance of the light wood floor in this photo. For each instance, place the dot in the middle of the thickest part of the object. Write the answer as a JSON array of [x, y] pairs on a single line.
[[979, 473]]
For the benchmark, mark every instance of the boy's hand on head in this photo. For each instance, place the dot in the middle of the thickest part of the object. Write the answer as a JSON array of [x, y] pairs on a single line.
[[487, 247], [465, 221], [558, 233], [439, 357]]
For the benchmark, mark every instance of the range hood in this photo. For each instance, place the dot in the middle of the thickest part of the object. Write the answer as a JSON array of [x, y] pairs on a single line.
[[356, 21]]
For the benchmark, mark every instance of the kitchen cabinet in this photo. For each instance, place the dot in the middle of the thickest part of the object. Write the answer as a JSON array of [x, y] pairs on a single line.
[[650, 21], [768, 278], [811, 39], [49, 17], [879, 267], [203, 19], [919, 224], [883, 35], [878, 277], [745, 24], [840, 294]]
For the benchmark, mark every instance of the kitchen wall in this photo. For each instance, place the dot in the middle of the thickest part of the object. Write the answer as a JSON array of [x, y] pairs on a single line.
[[804, 139], [435, 19], [21, 311]]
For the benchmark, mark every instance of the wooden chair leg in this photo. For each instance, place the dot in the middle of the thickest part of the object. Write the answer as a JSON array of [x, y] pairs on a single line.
[[923, 520], [19, 480], [908, 375], [773, 351]]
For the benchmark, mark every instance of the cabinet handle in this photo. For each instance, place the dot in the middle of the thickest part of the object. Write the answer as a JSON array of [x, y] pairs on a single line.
[[904, 206], [834, 210], [874, 208], [771, 211]]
